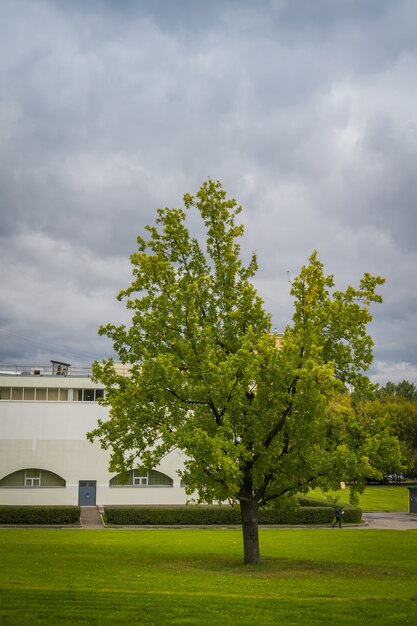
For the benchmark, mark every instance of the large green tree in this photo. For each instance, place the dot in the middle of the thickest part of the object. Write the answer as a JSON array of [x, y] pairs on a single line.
[[249, 410]]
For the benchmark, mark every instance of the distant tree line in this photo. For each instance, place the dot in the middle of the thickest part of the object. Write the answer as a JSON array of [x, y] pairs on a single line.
[[404, 390]]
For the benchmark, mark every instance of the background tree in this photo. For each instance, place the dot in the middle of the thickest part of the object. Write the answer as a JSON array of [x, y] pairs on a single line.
[[379, 439], [398, 402], [208, 378]]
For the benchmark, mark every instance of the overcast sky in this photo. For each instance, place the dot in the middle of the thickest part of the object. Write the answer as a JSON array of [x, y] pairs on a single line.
[[305, 110]]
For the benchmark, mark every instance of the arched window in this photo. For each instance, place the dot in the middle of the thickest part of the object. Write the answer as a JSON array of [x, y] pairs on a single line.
[[141, 478], [32, 477]]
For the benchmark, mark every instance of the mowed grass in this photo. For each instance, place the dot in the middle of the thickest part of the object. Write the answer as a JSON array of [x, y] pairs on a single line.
[[193, 576], [374, 498]]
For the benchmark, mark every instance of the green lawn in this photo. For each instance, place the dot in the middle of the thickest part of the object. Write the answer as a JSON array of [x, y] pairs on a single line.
[[194, 577], [375, 497]]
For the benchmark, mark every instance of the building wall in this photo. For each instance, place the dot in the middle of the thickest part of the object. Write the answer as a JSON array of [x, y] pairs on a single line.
[[51, 436]]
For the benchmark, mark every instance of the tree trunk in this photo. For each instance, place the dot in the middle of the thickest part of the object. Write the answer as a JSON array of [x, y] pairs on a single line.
[[249, 514]]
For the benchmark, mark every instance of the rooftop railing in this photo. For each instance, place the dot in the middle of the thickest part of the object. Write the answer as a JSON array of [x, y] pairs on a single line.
[[52, 370]]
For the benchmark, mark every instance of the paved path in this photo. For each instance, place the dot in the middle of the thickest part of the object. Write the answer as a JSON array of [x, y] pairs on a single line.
[[90, 517], [378, 520], [394, 520]]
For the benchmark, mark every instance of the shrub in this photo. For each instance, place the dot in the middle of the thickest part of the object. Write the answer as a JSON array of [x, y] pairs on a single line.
[[352, 514], [304, 515], [39, 514]]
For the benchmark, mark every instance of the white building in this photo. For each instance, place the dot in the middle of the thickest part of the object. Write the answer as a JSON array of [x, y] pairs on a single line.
[[45, 457]]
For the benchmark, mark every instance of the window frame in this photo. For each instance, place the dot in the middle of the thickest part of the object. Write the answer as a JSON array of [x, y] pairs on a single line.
[[143, 479], [30, 479]]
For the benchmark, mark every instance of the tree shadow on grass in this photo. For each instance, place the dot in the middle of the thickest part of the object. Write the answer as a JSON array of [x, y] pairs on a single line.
[[286, 568]]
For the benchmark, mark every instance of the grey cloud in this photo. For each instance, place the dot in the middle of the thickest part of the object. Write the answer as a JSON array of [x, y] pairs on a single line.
[[108, 110]]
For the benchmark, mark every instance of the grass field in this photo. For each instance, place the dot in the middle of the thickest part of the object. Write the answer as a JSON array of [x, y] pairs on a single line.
[[375, 497], [195, 577]]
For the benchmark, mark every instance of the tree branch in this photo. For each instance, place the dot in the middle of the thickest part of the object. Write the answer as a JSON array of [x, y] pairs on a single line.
[[295, 489]]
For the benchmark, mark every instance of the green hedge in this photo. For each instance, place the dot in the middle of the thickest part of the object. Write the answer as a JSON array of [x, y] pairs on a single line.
[[39, 514], [310, 512], [304, 515], [172, 515], [216, 515]]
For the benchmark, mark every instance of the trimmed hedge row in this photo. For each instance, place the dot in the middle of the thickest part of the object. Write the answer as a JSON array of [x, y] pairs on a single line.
[[216, 515], [39, 514], [170, 515], [310, 512]]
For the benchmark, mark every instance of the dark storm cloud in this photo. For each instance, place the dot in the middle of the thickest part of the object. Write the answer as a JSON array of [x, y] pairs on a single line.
[[305, 111]]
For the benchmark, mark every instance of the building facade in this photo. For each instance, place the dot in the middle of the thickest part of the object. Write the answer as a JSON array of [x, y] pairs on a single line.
[[45, 458]]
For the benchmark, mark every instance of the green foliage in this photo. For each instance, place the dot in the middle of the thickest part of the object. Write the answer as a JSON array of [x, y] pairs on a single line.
[[400, 403], [394, 406], [206, 374], [370, 445], [39, 514], [395, 415]]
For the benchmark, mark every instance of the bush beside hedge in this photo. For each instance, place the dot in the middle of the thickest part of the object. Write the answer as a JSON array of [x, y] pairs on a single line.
[[352, 514], [39, 514], [304, 515], [216, 515]]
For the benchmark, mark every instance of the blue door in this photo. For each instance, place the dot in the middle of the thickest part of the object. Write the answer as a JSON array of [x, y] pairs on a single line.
[[87, 492], [413, 499]]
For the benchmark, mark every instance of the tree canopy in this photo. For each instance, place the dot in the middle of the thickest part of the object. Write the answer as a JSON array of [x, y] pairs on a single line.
[[258, 416]]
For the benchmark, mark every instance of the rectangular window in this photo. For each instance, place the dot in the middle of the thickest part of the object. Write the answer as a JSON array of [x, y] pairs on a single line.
[[139, 478], [5, 393], [63, 394], [29, 393], [41, 394], [53, 394], [17, 393], [88, 395], [32, 478]]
